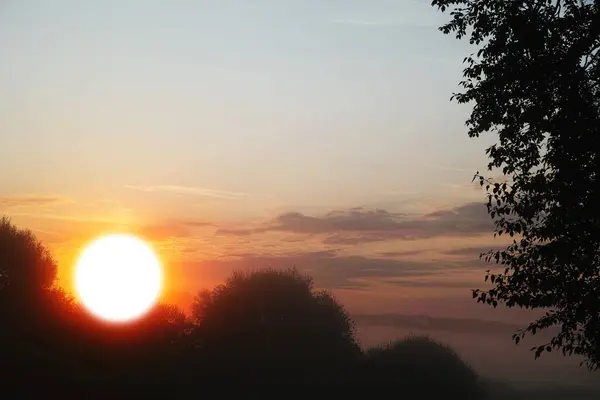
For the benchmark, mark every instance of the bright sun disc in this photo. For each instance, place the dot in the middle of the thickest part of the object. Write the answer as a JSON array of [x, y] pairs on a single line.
[[118, 277]]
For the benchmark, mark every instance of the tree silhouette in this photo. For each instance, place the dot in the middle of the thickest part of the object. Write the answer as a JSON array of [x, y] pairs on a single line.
[[49, 344], [27, 273], [31, 308], [535, 81], [422, 366], [25, 264], [276, 321], [145, 356]]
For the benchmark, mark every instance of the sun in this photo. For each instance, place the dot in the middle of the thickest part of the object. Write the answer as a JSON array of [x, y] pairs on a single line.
[[118, 277]]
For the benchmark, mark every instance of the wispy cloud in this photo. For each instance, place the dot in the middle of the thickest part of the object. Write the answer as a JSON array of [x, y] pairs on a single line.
[[394, 254], [473, 251], [428, 323], [190, 191], [171, 229], [450, 168], [365, 22], [29, 201]]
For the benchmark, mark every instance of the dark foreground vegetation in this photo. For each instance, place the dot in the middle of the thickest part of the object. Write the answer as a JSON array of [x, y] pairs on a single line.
[[265, 327], [262, 329]]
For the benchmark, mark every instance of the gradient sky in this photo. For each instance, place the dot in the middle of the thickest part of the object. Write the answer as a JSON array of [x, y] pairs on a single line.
[[303, 103], [188, 120], [243, 134]]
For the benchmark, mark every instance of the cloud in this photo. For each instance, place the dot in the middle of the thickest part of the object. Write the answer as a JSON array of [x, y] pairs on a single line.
[[449, 168], [189, 191], [328, 269], [470, 251], [68, 228], [171, 229], [28, 201], [364, 22], [358, 225], [393, 254], [427, 323], [430, 283]]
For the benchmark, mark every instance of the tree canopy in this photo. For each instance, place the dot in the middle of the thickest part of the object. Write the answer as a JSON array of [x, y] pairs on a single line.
[[534, 82], [422, 366], [271, 315]]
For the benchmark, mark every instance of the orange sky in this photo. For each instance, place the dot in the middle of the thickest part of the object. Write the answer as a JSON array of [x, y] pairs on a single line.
[[374, 260]]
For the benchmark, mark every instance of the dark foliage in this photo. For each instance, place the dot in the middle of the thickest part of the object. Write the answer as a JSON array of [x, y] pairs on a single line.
[[271, 316], [424, 367], [534, 81], [20, 248]]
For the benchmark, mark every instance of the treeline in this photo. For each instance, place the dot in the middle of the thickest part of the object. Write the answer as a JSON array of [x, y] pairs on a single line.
[[268, 327]]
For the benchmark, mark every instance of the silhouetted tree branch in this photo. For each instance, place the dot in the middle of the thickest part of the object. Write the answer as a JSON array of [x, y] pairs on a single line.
[[534, 82]]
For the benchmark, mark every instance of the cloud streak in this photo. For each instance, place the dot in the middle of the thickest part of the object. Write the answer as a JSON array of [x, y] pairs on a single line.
[[189, 191], [365, 22], [470, 251], [428, 323], [29, 201], [172, 229]]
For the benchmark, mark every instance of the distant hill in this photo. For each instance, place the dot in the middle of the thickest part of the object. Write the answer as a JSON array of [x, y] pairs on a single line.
[[485, 344], [425, 322], [498, 390]]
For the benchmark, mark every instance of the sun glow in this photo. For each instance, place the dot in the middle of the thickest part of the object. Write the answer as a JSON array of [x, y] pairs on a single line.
[[118, 277]]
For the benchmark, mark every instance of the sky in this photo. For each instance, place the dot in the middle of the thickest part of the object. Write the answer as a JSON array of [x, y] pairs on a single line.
[[237, 135]]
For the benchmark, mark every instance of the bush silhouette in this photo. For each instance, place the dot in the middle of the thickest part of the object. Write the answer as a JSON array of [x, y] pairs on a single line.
[[277, 319], [422, 366]]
